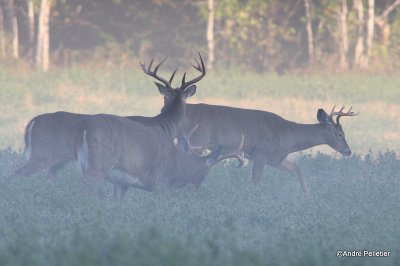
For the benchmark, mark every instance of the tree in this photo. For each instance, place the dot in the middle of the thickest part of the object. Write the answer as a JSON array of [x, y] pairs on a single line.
[[31, 19], [359, 59], [384, 26], [43, 39], [370, 29], [310, 41], [2, 35], [210, 33], [344, 42], [14, 28]]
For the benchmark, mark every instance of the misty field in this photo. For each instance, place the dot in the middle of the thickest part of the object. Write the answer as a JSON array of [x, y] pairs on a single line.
[[129, 92], [353, 205], [353, 202]]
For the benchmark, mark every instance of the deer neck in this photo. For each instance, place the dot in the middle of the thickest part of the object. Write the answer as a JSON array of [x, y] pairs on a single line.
[[304, 136], [171, 117]]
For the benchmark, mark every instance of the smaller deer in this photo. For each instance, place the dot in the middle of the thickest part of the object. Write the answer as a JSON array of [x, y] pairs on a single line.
[[294, 137], [186, 168], [269, 138]]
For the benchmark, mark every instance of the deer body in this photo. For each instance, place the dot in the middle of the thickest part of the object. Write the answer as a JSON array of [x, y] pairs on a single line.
[[128, 153], [48, 142], [268, 137], [48, 137], [145, 157]]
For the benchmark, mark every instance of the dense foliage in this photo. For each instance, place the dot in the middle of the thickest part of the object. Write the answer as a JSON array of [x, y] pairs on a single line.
[[257, 34]]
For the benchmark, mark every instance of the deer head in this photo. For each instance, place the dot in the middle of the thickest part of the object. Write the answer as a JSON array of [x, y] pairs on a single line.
[[336, 137], [181, 93]]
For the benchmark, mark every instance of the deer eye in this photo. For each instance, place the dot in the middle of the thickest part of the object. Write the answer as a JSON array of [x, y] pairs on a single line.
[[341, 135]]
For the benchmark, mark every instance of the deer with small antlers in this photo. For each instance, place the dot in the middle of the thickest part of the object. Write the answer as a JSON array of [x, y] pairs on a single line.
[[269, 138]]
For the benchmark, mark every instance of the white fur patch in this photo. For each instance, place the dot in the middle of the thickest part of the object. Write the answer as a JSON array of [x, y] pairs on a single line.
[[28, 152], [83, 153], [119, 177]]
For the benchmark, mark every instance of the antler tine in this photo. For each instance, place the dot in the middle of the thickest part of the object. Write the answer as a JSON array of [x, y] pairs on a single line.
[[151, 63], [158, 66], [350, 113], [172, 77], [191, 147], [201, 69], [154, 73], [143, 66], [198, 67], [340, 113], [333, 113], [183, 81], [238, 154]]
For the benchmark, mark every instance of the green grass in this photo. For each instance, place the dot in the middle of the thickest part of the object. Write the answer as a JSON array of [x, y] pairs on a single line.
[[353, 205], [25, 94]]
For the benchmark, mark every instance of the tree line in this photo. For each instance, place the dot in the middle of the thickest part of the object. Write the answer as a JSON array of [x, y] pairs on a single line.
[[280, 35]]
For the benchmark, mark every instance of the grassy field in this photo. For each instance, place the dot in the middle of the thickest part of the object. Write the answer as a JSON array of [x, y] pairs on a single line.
[[353, 202], [353, 205], [129, 92]]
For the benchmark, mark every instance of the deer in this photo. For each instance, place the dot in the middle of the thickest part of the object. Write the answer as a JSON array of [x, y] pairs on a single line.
[[269, 138], [48, 142], [181, 166], [48, 137], [131, 154]]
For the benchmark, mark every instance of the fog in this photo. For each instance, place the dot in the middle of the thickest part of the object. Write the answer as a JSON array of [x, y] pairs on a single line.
[[287, 59]]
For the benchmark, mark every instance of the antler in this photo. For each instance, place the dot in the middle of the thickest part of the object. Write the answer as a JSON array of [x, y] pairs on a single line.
[[238, 154], [340, 113], [154, 72], [200, 67], [190, 146]]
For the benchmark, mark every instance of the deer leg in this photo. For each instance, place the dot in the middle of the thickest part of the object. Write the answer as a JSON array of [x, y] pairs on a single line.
[[292, 167], [32, 167], [91, 178], [258, 167], [161, 184], [53, 170], [120, 192]]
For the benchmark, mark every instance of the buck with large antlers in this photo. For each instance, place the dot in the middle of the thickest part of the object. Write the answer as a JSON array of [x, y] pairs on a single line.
[[48, 143], [128, 153], [268, 137]]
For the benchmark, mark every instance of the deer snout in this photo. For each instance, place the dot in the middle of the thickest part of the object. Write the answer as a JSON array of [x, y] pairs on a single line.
[[346, 152]]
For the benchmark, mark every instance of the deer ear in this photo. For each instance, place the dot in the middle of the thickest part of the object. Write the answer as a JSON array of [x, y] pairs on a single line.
[[323, 117], [190, 91], [162, 89]]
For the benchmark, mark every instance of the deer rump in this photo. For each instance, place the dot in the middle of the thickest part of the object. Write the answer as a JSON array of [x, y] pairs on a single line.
[[48, 142], [128, 153]]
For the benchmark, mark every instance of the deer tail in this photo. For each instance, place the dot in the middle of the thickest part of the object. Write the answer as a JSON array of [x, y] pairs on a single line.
[[28, 139], [81, 150]]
